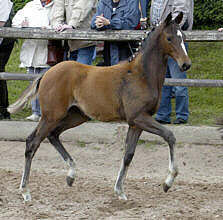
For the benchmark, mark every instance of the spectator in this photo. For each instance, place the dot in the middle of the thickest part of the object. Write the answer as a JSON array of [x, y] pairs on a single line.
[[72, 14], [33, 55], [116, 15], [6, 46], [158, 12]]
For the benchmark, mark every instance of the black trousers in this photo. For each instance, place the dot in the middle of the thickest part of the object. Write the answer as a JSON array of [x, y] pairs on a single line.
[[5, 51]]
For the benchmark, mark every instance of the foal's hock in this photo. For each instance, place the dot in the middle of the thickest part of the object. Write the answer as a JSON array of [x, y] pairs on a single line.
[[71, 93]]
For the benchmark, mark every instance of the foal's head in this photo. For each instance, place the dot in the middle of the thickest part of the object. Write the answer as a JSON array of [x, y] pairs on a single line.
[[171, 40]]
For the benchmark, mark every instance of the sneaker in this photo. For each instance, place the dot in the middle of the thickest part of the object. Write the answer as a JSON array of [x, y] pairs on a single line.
[[33, 117], [5, 115], [163, 122], [179, 121]]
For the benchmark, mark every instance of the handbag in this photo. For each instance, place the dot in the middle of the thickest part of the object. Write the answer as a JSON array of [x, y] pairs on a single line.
[[55, 52]]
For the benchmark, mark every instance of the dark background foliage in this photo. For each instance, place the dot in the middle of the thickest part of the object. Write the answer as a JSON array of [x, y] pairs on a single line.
[[208, 14], [18, 4]]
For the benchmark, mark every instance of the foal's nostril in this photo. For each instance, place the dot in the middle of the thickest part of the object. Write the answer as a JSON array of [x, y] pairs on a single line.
[[185, 66]]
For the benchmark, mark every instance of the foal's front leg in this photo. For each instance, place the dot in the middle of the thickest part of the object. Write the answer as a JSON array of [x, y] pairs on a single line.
[[147, 123], [131, 141]]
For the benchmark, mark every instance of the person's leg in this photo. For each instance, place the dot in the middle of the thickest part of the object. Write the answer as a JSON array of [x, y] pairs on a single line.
[[5, 51], [181, 93], [144, 7], [73, 55], [124, 50], [35, 102], [85, 55], [4, 103], [164, 111]]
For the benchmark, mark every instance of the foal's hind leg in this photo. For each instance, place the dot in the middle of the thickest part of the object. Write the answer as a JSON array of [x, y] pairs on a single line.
[[32, 144], [131, 141], [74, 118], [147, 123]]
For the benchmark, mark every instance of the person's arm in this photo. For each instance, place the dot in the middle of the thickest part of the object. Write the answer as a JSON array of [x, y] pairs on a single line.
[[130, 19], [18, 19], [80, 11], [58, 13], [99, 12]]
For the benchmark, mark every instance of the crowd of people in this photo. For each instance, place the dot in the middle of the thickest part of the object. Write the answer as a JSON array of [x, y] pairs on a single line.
[[99, 15]]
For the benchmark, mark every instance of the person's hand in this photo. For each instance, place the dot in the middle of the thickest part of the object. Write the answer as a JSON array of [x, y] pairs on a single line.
[[143, 23], [62, 27], [220, 29], [101, 21], [25, 23]]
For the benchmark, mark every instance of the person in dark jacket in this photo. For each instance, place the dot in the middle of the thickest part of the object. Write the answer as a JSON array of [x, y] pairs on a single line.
[[116, 15], [6, 46]]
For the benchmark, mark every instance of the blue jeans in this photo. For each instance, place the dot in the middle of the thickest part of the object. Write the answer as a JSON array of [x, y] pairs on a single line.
[[35, 102], [86, 55], [144, 7], [181, 95]]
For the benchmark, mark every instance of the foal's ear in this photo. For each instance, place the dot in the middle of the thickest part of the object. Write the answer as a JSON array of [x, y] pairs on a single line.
[[168, 19], [179, 18]]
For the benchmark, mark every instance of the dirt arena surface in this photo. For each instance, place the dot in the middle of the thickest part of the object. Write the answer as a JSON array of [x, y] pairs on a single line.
[[196, 194]]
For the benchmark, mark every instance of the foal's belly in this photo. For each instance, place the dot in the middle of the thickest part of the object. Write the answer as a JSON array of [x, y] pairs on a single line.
[[101, 112]]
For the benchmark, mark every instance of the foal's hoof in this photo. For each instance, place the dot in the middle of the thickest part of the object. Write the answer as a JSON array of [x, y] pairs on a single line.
[[26, 196], [70, 181], [165, 187], [121, 195]]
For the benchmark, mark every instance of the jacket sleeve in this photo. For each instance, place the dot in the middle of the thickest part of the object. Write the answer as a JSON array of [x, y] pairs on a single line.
[[99, 11], [80, 11], [58, 13], [181, 6], [130, 19], [18, 19]]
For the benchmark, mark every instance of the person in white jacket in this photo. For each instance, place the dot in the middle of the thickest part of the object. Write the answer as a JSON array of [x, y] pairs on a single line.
[[33, 54]]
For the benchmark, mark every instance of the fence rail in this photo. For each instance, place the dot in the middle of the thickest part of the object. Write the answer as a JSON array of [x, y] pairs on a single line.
[[169, 82], [108, 35], [93, 35]]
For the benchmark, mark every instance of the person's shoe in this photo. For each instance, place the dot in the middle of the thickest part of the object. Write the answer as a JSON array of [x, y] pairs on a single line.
[[5, 116], [179, 121], [1, 116], [163, 122], [33, 117]]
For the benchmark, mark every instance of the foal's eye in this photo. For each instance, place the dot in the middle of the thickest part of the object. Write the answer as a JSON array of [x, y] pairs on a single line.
[[169, 39]]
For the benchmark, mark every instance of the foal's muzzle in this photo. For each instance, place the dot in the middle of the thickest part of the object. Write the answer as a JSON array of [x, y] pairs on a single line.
[[185, 67]]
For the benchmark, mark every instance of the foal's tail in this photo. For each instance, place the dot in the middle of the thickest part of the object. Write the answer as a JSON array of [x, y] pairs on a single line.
[[29, 93]]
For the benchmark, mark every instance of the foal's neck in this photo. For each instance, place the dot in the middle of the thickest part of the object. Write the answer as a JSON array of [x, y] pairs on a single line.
[[154, 60]]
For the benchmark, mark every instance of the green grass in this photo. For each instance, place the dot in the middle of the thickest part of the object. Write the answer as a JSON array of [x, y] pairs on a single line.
[[207, 63], [205, 104], [15, 87]]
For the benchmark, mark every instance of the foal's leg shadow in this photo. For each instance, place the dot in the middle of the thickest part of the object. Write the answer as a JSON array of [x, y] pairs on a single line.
[[73, 118]]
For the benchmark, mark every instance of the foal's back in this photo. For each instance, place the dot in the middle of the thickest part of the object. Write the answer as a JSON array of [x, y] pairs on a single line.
[[95, 90]]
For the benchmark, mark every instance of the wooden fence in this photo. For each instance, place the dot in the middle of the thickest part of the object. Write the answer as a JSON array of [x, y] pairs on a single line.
[[108, 35]]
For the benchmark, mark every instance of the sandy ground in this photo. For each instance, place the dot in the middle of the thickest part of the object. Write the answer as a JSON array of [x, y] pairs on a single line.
[[196, 194]]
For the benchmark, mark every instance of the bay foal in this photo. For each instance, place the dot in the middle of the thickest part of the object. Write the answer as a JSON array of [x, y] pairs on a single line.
[[71, 93]]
